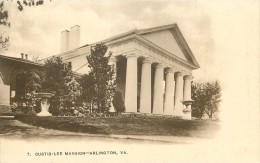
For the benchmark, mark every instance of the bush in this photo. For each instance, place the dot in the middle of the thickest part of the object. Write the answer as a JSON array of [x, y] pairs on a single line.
[[5, 109], [21, 108], [118, 102]]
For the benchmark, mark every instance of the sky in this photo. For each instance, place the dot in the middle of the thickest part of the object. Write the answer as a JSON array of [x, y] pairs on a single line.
[[37, 30], [223, 35]]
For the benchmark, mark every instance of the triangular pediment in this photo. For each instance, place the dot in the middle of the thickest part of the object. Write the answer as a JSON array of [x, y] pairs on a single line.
[[165, 40]]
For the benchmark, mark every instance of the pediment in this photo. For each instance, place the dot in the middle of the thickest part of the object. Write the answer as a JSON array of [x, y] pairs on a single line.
[[165, 40]]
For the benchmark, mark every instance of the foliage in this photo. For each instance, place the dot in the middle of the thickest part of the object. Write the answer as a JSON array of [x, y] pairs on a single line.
[[4, 40], [28, 106], [33, 81], [206, 98], [87, 88], [29, 3], [82, 110], [58, 79], [3, 15], [118, 102], [102, 75], [55, 77]]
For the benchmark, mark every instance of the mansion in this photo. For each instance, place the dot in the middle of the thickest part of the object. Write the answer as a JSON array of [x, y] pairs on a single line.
[[154, 67]]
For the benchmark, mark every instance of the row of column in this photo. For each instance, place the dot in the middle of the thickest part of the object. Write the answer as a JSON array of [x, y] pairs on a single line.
[[176, 89]]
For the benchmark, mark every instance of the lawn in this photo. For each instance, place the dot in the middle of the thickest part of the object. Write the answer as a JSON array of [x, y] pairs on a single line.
[[127, 125]]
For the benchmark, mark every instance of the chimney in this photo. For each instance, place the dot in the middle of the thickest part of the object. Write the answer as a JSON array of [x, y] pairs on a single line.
[[64, 41], [74, 37], [22, 55], [26, 56]]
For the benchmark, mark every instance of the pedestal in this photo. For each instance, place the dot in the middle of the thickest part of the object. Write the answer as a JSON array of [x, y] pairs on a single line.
[[186, 113], [44, 108]]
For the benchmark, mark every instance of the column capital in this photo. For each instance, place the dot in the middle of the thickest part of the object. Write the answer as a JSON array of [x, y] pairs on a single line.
[[170, 70], [159, 65], [148, 60], [188, 77], [131, 55], [112, 59], [179, 73]]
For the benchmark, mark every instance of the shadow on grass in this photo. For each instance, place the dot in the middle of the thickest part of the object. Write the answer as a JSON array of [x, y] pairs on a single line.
[[60, 124], [14, 130], [126, 126]]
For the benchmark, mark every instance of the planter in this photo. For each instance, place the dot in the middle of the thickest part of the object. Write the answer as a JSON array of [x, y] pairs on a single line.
[[187, 109], [44, 97]]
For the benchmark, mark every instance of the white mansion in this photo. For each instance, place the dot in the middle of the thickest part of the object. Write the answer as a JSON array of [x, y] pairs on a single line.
[[154, 67]]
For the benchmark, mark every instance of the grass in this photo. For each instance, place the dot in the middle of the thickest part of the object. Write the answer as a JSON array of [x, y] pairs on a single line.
[[127, 125]]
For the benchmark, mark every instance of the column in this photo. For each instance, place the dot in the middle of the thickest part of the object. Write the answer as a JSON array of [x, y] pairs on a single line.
[[131, 84], [169, 92], [187, 96], [158, 90], [145, 97], [187, 87], [112, 62], [178, 98]]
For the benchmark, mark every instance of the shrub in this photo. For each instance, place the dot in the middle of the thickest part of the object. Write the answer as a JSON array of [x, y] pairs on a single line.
[[23, 109], [118, 102], [5, 109]]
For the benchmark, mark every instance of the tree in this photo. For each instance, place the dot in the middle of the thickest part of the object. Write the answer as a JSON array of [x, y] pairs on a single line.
[[58, 80], [206, 98], [118, 102], [33, 80], [4, 40], [102, 75], [55, 77], [29, 3], [87, 88]]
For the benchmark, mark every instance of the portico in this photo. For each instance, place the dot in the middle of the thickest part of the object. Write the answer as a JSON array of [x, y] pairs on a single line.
[[168, 93], [154, 68]]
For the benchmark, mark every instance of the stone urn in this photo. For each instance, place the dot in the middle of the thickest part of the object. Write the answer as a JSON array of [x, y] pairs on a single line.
[[44, 97], [187, 109]]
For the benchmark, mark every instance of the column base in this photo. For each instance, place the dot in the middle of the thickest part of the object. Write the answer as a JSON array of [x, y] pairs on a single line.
[[186, 114]]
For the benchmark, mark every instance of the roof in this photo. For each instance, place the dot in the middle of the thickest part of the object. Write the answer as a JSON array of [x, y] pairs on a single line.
[[138, 34], [20, 60]]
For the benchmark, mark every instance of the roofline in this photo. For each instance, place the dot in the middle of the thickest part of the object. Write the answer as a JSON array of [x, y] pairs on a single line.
[[112, 38], [149, 43], [163, 27], [23, 61], [186, 46], [136, 32]]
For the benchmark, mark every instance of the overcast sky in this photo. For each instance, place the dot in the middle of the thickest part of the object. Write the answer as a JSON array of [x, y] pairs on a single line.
[[37, 30], [212, 29], [224, 37]]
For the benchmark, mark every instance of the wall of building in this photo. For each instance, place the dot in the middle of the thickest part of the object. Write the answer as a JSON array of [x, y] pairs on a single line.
[[9, 70], [4, 94]]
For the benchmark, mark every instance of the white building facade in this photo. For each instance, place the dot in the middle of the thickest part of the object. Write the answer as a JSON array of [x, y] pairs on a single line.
[[154, 67]]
